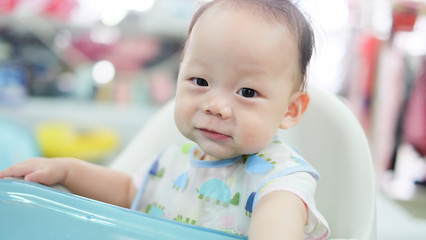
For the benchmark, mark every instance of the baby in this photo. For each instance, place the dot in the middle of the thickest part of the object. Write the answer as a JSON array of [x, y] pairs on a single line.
[[241, 78]]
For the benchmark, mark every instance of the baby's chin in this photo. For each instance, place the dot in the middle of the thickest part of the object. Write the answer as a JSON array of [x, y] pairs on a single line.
[[217, 151], [220, 155], [215, 154]]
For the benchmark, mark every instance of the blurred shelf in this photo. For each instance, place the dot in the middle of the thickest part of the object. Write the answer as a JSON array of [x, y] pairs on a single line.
[[125, 119], [166, 18]]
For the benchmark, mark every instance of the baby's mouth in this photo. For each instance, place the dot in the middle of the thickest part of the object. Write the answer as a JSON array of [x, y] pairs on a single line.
[[213, 134]]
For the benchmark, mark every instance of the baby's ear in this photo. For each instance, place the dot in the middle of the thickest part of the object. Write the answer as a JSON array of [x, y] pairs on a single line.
[[298, 103]]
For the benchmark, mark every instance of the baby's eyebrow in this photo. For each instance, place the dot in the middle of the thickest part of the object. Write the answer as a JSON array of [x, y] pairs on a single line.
[[252, 72], [197, 61], [252, 69]]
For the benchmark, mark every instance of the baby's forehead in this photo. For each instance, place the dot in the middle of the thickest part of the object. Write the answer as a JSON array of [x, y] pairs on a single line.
[[259, 12], [271, 14]]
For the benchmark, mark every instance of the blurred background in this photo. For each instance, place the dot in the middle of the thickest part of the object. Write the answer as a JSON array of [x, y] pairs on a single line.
[[81, 77]]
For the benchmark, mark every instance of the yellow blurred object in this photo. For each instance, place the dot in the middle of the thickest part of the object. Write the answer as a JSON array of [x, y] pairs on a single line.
[[59, 139]]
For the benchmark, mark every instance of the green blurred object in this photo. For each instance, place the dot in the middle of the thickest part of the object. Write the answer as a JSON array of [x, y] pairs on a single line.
[[17, 143]]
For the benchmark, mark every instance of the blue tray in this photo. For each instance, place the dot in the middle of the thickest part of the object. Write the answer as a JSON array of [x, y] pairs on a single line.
[[33, 211]]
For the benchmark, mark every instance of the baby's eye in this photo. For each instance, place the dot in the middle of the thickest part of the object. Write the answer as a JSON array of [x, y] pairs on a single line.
[[247, 92], [200, 82]]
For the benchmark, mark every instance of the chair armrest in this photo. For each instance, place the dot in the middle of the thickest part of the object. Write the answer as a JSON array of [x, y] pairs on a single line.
[[57, 186]]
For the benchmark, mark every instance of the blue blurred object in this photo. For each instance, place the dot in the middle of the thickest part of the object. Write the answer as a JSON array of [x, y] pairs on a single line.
[[17, 143], [33, 211], [12, 84]]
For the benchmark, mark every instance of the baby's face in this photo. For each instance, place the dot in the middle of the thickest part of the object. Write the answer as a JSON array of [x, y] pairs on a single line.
[[235, 82]]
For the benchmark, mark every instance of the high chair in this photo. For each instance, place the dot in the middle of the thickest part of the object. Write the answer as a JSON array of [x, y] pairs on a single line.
[[329, 137]]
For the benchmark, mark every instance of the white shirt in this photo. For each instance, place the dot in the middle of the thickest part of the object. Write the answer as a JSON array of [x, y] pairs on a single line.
[[222, 194]]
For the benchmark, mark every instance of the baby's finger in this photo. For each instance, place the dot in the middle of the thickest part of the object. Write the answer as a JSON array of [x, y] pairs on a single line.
[[4, 174], [8, 172], [19, 170]]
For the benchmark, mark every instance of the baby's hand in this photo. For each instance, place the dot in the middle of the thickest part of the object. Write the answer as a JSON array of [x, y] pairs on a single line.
[[41, 170]]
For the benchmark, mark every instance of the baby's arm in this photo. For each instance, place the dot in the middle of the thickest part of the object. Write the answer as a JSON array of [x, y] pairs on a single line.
[[79, 177], [278, 215]]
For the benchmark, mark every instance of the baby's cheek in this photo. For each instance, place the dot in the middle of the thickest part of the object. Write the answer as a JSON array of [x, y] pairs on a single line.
[[256, 140], [182, 126], [180, 115]]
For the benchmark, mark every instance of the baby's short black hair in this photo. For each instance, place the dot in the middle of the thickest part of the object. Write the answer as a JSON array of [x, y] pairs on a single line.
[[281, 12]]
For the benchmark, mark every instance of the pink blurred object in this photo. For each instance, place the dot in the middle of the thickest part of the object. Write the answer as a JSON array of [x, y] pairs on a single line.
[[7, 5], [415, 118], [60, 9], [162, 88], [126, 54]]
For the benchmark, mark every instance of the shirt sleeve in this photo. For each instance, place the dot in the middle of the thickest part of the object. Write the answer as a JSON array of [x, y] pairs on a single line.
[[303, 185]]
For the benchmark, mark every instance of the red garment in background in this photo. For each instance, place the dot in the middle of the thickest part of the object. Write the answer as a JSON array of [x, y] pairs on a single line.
[[414, 130], [363, 83], [7, 6], [60, 9]]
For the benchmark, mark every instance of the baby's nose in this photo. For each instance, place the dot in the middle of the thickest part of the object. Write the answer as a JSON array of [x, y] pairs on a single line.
[[218, 107]]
